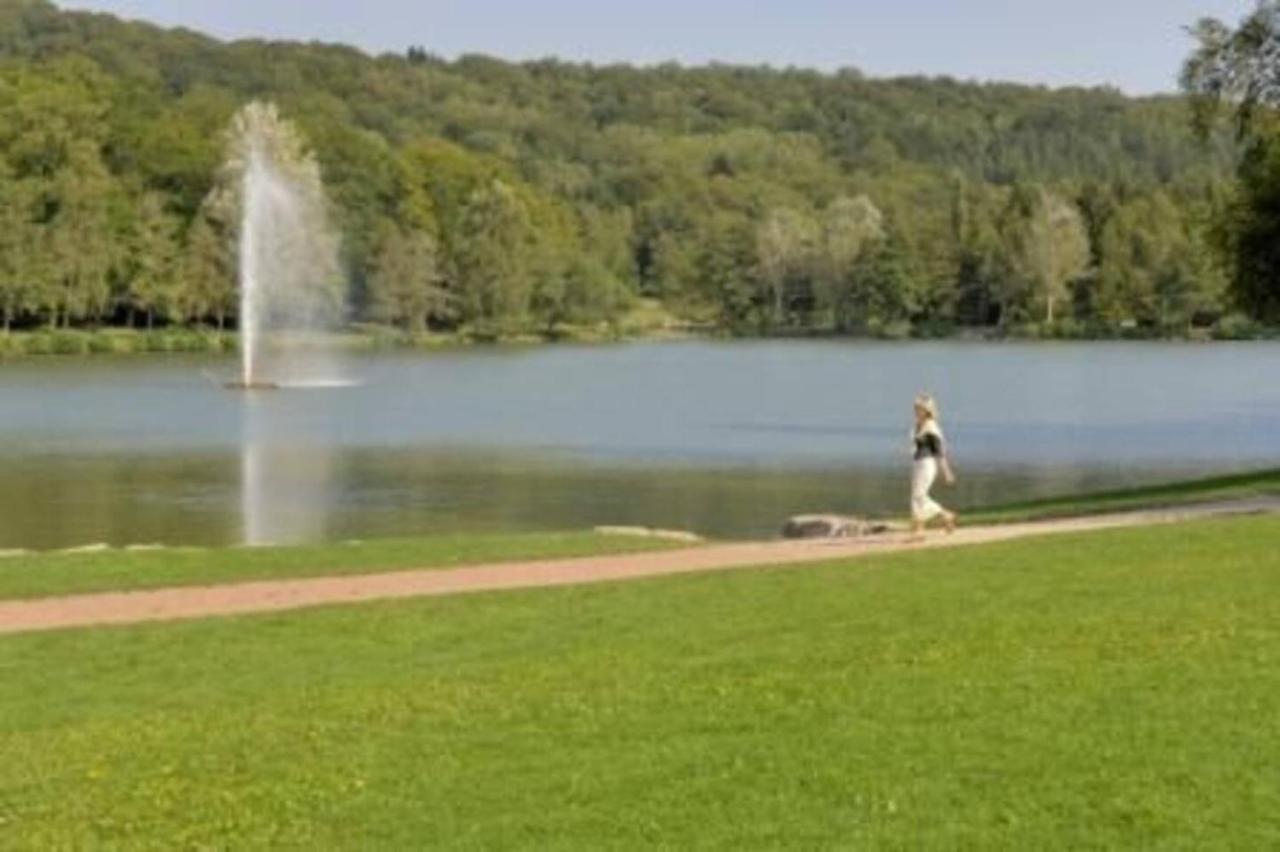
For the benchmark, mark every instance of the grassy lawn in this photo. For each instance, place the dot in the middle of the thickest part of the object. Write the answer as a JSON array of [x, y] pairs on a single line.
[[1114, 690], [48, 574], [1216, 489]]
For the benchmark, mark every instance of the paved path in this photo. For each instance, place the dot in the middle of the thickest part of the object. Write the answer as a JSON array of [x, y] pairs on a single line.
[[191, 602]]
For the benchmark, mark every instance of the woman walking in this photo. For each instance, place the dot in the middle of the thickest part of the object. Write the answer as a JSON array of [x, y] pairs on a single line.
[[930, 457]]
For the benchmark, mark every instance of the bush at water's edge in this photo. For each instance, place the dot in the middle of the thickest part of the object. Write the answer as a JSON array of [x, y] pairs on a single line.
[[113, 342], [367, 336]]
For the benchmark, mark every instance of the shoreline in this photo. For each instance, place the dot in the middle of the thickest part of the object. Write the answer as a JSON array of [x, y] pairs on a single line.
[[1262, 484], [19, 345]]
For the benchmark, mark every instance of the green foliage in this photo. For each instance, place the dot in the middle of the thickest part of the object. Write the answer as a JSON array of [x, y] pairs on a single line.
[[152, 266], [1156, 268], [1236, 68], [494, 199], [494, 247], [207, 268], [1240, 69], [1047, 249], [405, 283], [1252, 233], [1237, 326]]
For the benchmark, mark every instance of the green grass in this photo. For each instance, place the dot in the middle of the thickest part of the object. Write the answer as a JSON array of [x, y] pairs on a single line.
[[48, 574], [1117, 690], [1216, 489], [645, 323], [113, 341]]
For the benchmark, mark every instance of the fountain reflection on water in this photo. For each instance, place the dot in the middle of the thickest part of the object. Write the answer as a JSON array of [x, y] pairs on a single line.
[[285, 484]]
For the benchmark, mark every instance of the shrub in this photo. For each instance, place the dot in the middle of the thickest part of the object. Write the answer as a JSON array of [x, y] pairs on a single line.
[[69, 343], [1236, 326]]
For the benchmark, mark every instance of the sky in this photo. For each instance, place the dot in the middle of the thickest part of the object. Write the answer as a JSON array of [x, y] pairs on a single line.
[[1134, 45]]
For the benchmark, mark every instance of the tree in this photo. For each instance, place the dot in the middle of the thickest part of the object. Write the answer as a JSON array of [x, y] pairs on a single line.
[[609, 235], [406, 283], [79, 240], [977, 268], [584, 291], [886, 293], [19, 257], [852, 229], [491, 249], [785, 243], [152, 269], [208, 273], [669, 266], [1251, 232], [724, 268], [1241, 68], [1046, 248], [52, 127], [1155, 268]]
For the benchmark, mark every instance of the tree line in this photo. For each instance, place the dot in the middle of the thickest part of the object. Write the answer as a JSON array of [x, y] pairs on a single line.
[[502, 198]]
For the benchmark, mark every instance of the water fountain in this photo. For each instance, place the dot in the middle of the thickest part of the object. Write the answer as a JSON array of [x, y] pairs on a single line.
[[270, 194], [291, 286]]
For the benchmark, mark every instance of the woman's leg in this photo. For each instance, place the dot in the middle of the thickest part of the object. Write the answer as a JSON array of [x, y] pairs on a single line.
[[923, 507]]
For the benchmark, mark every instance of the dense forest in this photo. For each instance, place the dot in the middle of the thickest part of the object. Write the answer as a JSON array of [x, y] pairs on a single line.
[[498, 198]]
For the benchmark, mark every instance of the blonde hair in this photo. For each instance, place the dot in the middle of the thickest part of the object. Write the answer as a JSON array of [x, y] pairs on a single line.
[[928, 405]]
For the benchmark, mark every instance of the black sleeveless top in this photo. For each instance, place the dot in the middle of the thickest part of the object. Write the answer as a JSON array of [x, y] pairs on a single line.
[[928, 446]]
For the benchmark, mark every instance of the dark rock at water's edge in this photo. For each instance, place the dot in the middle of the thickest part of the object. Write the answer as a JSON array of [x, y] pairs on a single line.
[[831, 526]]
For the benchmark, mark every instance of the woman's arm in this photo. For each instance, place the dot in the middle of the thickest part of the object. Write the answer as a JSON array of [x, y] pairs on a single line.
[[944, 461]]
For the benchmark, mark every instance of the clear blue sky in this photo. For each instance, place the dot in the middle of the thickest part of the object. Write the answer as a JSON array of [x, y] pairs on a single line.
[[1136, 45]]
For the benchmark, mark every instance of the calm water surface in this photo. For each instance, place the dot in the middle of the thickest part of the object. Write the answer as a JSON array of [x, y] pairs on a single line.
[[723, 438]]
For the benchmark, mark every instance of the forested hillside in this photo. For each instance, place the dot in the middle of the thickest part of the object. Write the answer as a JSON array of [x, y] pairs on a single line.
[[500, 198]]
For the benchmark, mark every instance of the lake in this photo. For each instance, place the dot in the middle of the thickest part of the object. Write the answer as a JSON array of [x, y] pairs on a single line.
[[724, 438]]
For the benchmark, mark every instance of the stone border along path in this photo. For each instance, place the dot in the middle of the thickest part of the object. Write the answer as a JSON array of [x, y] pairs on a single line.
[[191, 602]]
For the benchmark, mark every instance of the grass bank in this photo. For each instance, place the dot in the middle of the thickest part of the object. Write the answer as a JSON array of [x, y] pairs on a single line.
[[113, 342], [132, 342], [50, 574], [647, 320], [1243, 486], [1116, 690]]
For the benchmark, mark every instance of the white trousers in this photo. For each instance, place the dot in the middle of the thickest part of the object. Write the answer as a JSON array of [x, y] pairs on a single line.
[[923, 473]]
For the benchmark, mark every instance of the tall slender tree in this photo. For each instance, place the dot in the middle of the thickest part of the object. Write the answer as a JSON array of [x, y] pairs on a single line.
[[852, 229], [785, 245], [1047, 248], [19, 255], [80, 239], [153, 285], [407, 283], [492, 249]]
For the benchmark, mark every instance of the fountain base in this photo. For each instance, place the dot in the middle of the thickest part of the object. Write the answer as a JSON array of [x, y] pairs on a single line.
[[251, 386]]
